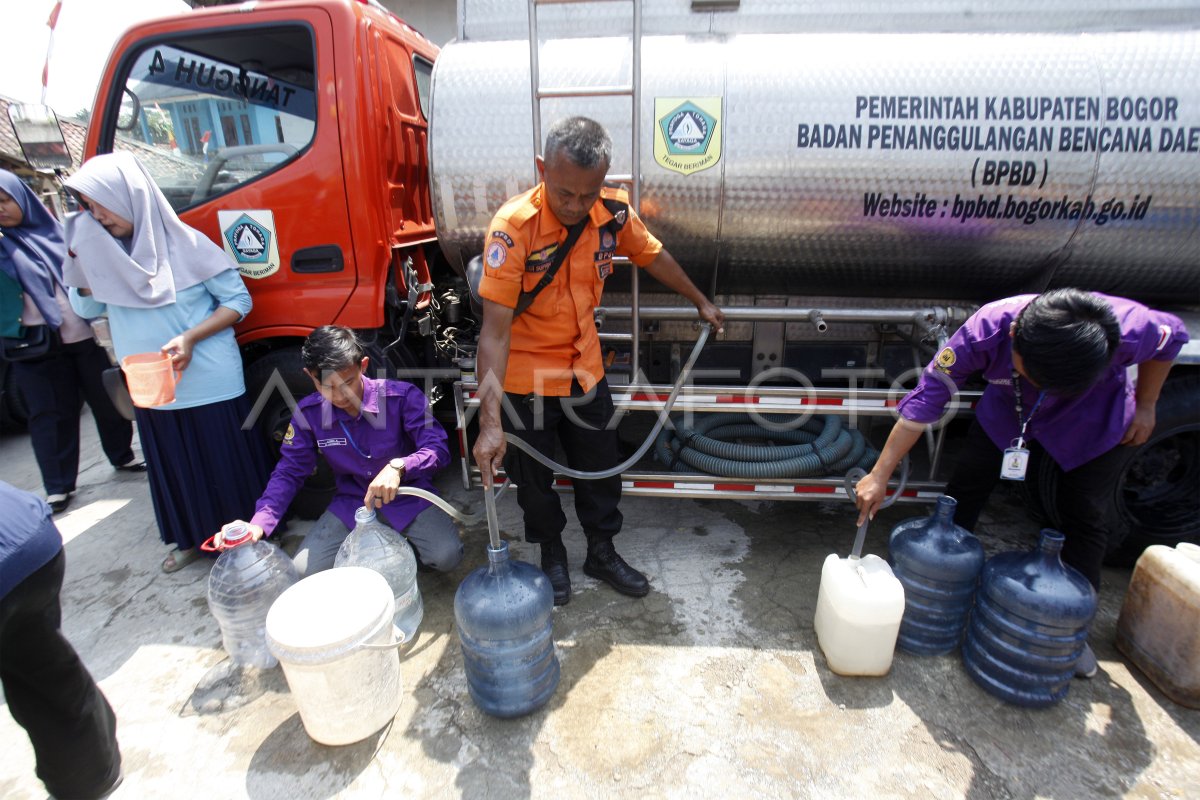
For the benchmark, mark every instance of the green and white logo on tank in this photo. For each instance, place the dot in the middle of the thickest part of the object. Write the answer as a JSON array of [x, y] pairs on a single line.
[[249, 237], [687, 133]]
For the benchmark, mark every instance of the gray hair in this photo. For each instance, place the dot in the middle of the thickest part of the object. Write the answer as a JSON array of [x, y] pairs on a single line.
[[582, 140]]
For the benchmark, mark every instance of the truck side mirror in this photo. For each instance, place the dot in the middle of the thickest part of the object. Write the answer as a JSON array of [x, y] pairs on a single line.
[[127, 115], [41, 138]]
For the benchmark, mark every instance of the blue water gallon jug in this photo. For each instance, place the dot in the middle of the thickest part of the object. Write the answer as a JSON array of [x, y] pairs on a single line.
[[938, 563], [1029, 624], [375, 545], [502, 613], [242, 585]]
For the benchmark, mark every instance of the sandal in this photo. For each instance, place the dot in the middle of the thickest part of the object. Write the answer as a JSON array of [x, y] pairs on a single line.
[[132, 466], [178, 559]]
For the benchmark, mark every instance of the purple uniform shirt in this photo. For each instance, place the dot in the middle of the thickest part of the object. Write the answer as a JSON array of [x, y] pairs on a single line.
[[1072, 430], [395, 423]]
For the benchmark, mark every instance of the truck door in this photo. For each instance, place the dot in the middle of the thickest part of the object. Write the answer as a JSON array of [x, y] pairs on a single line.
[[236, 122]]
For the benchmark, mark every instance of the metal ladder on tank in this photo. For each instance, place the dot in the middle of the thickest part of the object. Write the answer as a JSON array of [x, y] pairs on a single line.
[[632, 90]]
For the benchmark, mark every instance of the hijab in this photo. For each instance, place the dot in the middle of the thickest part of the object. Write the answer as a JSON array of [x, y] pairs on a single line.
[[162, 256], [32, 253]]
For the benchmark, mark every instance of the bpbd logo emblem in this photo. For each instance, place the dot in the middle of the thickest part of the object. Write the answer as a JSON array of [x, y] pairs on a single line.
[[687, 130], [250, 241], [688, 133]]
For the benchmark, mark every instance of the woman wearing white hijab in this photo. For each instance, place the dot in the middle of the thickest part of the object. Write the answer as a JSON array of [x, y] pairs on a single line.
[[168, 288]]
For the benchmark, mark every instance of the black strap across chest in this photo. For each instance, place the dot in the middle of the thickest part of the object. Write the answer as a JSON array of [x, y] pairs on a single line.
[[620, 212]]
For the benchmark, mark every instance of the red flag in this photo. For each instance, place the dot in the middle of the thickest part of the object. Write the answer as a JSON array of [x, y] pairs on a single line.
[[49, 48]]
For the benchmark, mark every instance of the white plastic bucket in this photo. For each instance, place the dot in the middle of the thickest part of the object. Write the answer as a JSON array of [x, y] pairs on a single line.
[[333, 634]]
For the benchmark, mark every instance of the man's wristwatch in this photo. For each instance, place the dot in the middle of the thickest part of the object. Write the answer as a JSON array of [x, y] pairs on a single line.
[[397, 464]]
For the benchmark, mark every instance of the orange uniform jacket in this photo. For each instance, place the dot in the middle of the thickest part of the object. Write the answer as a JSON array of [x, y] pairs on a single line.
[[555, 339]]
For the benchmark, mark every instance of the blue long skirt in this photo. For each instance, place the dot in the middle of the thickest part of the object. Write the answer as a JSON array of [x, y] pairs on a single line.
[[204, 470]]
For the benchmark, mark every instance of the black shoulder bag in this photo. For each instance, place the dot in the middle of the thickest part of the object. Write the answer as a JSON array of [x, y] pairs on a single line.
[[35, 341]]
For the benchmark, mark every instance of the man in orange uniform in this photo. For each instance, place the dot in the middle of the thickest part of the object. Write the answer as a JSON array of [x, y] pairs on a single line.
[[546, 362]]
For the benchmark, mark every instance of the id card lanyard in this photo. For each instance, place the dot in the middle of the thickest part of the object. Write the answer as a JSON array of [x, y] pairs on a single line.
[[367, 456], [1016, 457]]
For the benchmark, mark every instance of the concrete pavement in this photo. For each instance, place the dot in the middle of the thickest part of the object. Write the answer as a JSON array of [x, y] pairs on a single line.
[[712, 686]]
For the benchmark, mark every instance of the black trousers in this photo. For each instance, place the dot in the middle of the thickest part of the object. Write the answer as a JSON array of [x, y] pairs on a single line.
[[53, 388], [50, 693], [1080, 498], [580, 424]]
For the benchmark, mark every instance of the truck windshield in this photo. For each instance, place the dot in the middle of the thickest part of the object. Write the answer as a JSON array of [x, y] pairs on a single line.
[[209, 113]]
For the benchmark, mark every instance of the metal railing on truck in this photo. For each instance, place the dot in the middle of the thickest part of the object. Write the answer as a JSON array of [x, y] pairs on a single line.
[[851, 403]]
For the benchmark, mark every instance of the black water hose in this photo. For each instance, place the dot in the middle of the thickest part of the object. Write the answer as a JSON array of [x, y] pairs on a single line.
[[820, 446]]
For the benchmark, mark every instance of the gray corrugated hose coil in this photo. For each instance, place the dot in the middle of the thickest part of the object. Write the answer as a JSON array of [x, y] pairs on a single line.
[[819, 446]]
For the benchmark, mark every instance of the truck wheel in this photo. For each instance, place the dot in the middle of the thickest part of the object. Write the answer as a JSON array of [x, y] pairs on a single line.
[[313, 498], [1154, 501], [1156, 497]]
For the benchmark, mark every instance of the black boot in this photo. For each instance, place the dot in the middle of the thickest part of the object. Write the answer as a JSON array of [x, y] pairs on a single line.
[[604, 564], [554, 564]]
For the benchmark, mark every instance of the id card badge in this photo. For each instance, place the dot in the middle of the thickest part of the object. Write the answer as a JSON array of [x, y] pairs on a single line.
[[1016, 461]]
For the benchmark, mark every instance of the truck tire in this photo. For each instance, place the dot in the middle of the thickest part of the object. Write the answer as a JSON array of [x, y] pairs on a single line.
[[313, 498], [1155, 500]]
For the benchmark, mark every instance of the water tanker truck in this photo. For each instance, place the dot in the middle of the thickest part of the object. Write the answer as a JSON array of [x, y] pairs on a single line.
[[849, 187]]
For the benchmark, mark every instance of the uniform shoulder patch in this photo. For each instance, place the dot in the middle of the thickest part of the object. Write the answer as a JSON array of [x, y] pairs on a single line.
[[290, 434], [496, 254], [619, 209], [946, 359], [502, 236]]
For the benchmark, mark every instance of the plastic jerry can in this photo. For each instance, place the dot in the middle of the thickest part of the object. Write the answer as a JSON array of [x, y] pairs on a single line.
[[1029, 624], [938, 563], [859, 607], [1159, 626], [503, 616]]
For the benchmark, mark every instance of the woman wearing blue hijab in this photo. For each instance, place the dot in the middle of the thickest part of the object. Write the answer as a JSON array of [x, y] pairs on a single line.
[[31, 258]]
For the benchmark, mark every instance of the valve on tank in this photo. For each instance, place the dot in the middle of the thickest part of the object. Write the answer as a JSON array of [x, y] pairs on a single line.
[[451, 307]]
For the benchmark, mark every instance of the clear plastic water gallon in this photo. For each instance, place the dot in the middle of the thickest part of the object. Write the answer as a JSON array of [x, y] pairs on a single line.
[[1029, 624], [503, 616], [242, 585], [938, 563], [375, 545]]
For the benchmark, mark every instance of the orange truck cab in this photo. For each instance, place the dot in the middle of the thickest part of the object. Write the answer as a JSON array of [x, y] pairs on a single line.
[[296, 138], [297, 142]]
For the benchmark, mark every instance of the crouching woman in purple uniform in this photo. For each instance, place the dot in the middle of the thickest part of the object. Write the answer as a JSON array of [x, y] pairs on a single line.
[[375, 435], [1055, 365]]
